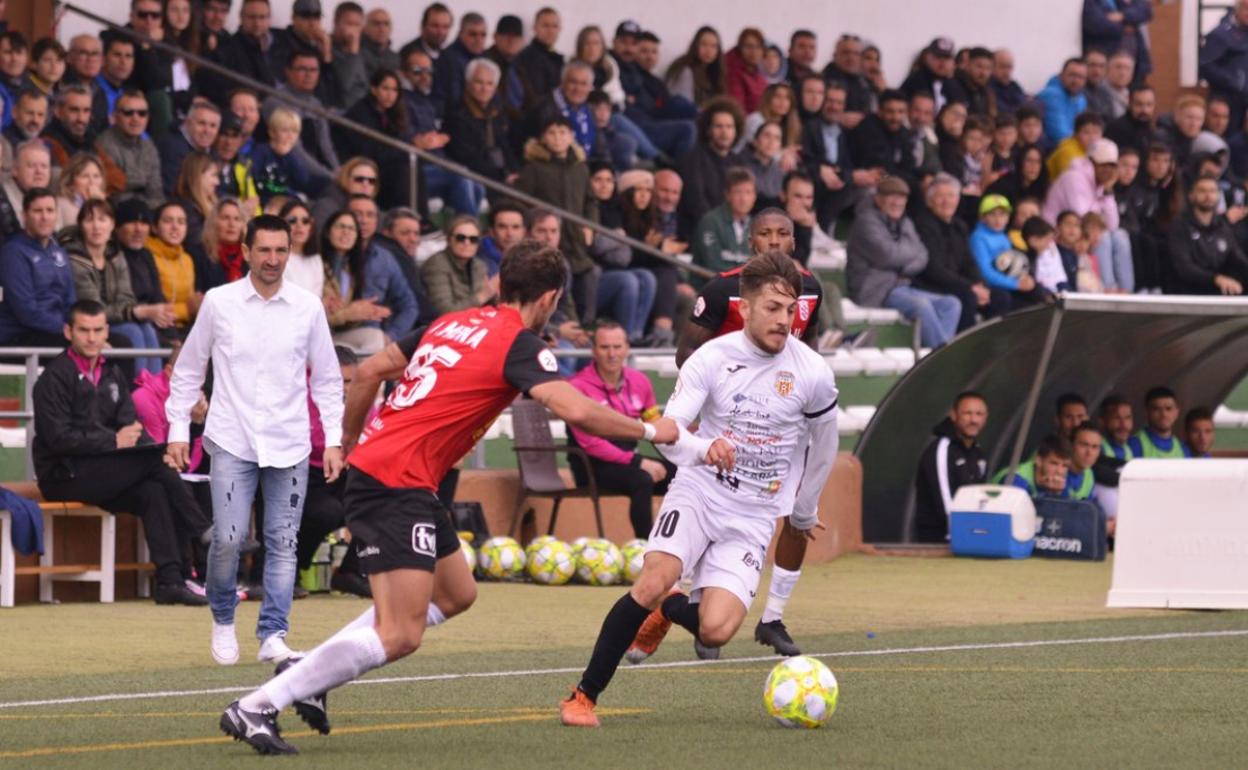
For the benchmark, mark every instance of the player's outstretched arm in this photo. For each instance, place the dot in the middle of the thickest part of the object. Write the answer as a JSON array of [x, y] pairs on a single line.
[[386, 364], [567, 403]]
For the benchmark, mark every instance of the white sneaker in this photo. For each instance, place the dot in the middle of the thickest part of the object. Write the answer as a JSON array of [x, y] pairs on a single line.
[[274, 650], [224, 644]]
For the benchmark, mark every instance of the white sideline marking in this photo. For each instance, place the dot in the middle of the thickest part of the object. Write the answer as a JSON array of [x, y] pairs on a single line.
[[673, 664]]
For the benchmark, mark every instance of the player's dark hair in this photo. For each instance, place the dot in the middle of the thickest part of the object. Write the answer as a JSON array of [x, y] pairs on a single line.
[[773, 267], [269, 223], [1197, 414], [529, 270], [1083, 427], [771, 212], [967, 394], [1066, 399], [1052, 445], [1159, 392], [1112, 402], [84, 307]]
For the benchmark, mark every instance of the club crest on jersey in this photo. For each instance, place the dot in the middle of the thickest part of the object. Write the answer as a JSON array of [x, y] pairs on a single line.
[[803, 310], [784, 383], [547, 361], [699, 307], [773, 487]]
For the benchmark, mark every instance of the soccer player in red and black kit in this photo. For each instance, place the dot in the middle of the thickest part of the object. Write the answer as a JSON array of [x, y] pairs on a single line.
[[717, 312], [455, 377]]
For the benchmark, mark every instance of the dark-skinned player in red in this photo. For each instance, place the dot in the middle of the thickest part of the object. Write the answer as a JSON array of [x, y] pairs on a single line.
[[455, 377]]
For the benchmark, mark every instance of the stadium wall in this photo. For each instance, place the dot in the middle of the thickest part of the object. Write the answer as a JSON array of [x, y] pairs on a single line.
[[1041, 33]]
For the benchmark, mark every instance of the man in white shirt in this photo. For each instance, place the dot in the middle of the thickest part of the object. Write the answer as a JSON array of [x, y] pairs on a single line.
[[763, 398], [269, 344]]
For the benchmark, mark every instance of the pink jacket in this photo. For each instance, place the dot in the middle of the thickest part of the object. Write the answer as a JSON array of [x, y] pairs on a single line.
[[743, 85], [1076, 190], [149, 404], [634, 396]]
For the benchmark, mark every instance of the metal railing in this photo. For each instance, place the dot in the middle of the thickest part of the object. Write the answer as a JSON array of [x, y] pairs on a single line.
[[413, 153]]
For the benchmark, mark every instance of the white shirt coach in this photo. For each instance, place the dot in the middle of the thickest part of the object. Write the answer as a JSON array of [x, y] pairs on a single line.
[[261, 351]]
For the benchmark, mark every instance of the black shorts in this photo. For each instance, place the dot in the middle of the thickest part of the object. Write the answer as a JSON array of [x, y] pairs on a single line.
[[395, 528]]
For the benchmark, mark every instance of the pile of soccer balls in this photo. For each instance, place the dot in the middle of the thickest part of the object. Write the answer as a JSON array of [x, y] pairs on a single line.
[[552, 562]]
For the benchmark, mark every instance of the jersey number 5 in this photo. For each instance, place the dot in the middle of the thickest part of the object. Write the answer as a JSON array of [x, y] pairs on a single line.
[[420, 375]]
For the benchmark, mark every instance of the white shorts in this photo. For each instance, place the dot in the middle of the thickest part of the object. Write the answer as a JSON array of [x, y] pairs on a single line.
[[716, 548]]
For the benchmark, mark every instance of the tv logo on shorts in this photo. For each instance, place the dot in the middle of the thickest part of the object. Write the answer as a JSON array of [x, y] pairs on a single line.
[[424, 539]]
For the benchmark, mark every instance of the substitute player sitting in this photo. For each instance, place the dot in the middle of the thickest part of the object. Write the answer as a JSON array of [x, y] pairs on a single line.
[[456, 377], [762, 398]]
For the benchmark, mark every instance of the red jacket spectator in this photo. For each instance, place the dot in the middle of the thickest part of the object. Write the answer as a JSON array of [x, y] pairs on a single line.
[[745, 79]]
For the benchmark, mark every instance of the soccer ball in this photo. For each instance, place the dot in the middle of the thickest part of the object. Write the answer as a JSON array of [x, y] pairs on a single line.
[[800, 692], [550, 563], [470, 554], [1013, 263], [634, 552], [501, 558], [599, 563], [578, 545]]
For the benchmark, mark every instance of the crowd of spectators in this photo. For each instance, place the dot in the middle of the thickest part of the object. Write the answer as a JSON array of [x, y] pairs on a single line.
[[941, 185]]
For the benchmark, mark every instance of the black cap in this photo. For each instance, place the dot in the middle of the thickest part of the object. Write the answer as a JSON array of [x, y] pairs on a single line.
[[231, 122], [628, 28], [132, 210], [942, 47], [509, 25]]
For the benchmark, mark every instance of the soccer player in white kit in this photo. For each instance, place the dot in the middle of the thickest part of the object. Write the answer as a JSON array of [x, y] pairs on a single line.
[[767, 408]]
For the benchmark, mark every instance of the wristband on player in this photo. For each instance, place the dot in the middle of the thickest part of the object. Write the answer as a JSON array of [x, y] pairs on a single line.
[[648, 431]]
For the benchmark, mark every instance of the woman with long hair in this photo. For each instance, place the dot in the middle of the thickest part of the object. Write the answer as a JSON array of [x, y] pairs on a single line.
[[765, 153], [625, 291], [81, 180], [591, 48], [342, 252], [639, 216], [175, 266], [305, 267], [778, 106], [383, 110], [744, 76], [196, 192], [698, 74], [1027, 180], [223, 260], [101, 274]]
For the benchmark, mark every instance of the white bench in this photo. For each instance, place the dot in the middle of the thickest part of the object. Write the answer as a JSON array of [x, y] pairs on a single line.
[[103, 572]]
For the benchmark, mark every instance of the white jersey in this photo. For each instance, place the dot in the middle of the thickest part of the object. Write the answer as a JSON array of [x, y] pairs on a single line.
[[765, 406]]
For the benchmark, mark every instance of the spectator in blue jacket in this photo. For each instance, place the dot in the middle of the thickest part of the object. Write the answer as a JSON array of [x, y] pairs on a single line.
[[1009, 94], [1118, 25], [35, 277], [452, 63], [383, 278], [1223, 62], [989, 241], [1063, 98]]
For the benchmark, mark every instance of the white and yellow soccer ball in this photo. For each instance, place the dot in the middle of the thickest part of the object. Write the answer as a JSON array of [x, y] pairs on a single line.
[[578, 545], [470, 554], [501, 558], [800, 692], [599, 563], [551, 562], [634, 552]]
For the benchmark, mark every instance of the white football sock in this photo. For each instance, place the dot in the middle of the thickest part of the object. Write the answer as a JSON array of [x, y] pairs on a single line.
[[782, 583], [434, 616], [346, 656]]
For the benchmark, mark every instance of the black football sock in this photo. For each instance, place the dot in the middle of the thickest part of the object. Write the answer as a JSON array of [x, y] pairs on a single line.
[[619, 629], [684, 613]]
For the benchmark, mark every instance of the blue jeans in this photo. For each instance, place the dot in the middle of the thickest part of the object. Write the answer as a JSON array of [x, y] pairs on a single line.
[[937, 314], [141, 335], [626, 128], [233, 484], [463, 195], [627, 296], [1113, 257], [668, 130]]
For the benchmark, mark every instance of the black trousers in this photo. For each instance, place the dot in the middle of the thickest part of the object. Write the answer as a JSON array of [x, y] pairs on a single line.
[[140, 483], [999, 303], [631, 480]]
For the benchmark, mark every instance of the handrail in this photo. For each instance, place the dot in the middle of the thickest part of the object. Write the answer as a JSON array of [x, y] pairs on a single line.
[[387, 140]]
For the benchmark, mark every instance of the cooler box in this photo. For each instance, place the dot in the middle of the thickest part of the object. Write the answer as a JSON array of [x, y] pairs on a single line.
[[992, 520]]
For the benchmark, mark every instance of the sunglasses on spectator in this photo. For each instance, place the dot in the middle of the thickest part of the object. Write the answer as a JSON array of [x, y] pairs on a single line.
[[461, 238], [417, 70], [133, 113], [148, 14], [364, 179], [298, 220]]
